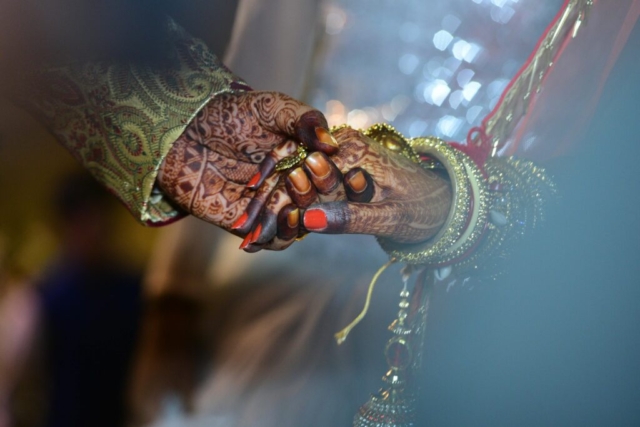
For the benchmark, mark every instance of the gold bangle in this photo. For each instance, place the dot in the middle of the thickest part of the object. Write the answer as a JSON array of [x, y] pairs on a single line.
[[477, 215], [454, 227], [521, 191], [491, 205], [467, 217], [481, 220]]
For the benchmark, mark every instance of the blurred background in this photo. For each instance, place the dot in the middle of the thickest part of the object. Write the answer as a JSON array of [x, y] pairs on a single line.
[[106, 322], [33, 167]]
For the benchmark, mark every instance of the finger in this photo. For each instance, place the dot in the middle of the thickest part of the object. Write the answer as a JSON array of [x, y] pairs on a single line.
[[268, 224], [288, 223], [358, 185], [251, 248], [312, 130], [300, 188], [249, 242], [288, 226], [329, 218], [278, 245], [288, 229], [246, 241], [404, 222], [325, 176], [247, 220], [274, 245], [268, 165], [284, 115]]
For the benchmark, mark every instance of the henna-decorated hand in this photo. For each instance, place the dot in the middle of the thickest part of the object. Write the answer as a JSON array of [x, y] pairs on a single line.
[[317, 180], [231, 148], [407, 203]]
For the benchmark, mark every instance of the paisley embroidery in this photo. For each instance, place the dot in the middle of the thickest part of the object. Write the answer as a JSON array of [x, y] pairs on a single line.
[[120, 120]]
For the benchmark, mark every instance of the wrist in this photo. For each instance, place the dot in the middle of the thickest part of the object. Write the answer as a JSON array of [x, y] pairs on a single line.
[[495, 202]]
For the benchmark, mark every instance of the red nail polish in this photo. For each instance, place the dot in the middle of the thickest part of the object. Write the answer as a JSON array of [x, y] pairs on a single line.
[[315, 219], [254, 180], [256, 233], [245, 242], [240, 221]]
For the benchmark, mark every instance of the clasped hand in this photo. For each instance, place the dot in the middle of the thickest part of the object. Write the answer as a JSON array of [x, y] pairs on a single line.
[[222, 170]]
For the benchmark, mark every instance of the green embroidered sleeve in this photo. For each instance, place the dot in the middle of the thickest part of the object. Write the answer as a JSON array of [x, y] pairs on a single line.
[[120, 120]]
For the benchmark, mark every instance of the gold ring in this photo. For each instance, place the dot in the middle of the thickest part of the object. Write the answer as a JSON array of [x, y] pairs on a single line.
[[293, 160]]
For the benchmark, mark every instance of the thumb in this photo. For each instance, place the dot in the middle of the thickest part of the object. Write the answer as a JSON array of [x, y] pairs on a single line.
[[381, 219], [285, 115], [403, 222], [312, 130]]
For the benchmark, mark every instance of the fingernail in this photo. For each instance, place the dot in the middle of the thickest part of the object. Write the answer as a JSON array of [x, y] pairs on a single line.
[[293, 218], [358, 182], [299, 180], [315, 219], [325, 137], [256, 234], [318, 165], [245, 242], [240, 221], [254, 180]]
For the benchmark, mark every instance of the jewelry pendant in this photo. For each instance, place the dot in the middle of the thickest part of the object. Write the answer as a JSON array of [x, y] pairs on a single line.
[[394, 404]]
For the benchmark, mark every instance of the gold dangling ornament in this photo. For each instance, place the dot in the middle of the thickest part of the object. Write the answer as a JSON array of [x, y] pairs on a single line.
[[496, 201], [394, 404]]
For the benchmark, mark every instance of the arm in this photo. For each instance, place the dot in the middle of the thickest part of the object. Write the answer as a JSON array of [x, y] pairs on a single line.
[[222, 166], [364, 188], [121, 119], [126, 122]]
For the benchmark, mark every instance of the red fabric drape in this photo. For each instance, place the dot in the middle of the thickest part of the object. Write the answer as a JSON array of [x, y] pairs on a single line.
[[559, 114]]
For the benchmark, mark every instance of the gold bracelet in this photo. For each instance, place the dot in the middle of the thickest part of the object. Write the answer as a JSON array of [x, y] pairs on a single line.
[[468, 213], [454, 227]]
